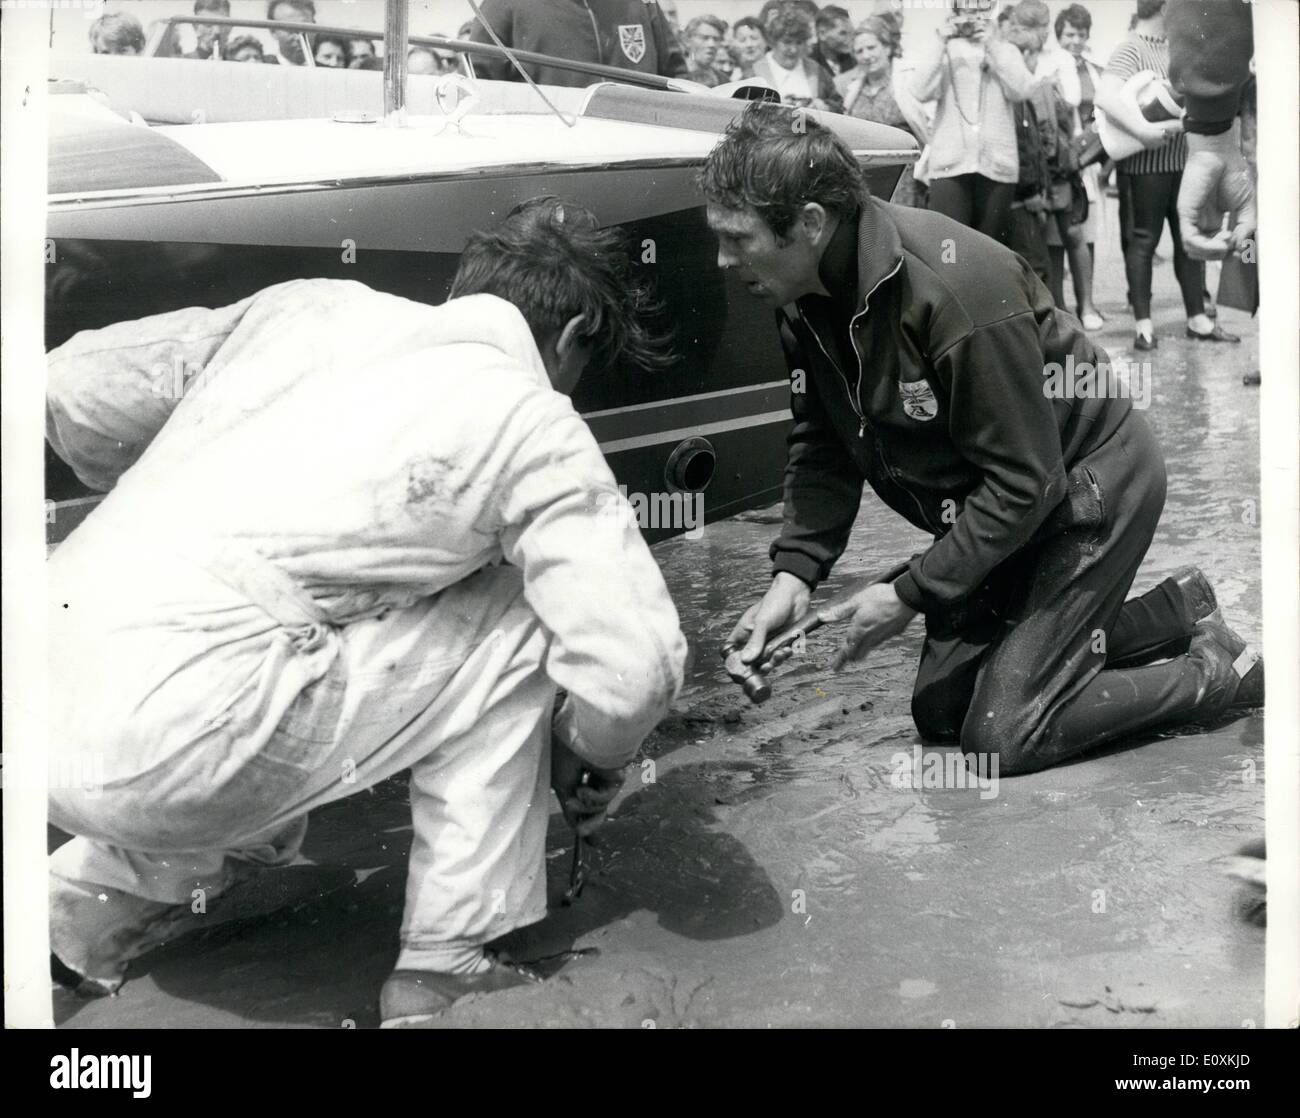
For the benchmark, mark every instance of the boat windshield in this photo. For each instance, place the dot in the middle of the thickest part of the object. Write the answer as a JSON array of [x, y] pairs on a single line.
[[264, 43]]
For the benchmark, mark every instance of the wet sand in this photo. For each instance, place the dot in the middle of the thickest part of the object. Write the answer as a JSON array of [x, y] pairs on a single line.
[[774, 873]]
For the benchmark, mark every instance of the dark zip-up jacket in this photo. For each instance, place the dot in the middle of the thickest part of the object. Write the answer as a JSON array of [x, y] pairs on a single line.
[[629, 34], [945, 415]]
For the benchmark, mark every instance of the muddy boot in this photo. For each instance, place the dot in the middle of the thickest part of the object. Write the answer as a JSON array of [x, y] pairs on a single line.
[[1197, 593], [1243, 684], [412, 998]]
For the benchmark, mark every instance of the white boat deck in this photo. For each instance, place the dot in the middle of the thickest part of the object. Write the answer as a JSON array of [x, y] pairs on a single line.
[[270, 152]]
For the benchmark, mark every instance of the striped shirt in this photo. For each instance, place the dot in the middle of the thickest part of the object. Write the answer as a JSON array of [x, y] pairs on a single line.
[[1135, 54]]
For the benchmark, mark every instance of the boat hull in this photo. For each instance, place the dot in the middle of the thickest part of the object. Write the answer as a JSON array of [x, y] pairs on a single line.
[[122, 258]]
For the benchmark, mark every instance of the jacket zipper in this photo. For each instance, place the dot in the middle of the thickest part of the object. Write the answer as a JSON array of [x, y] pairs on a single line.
[[920, 508], [854, 404], [856, 352], [855, 395]]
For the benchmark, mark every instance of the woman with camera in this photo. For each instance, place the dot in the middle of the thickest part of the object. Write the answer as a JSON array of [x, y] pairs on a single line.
[[974, 77]]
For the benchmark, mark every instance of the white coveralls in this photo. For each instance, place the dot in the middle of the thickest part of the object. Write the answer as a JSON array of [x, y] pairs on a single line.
[[295, 590]]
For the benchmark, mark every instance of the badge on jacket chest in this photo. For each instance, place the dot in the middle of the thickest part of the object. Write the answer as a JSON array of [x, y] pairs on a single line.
[[631, 37], [918, 399]]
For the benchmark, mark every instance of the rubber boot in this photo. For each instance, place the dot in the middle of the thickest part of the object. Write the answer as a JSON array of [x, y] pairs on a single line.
[[1248, 664]]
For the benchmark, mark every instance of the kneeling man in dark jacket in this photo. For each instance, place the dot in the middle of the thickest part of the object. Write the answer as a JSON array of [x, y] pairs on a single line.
[[930, 362]]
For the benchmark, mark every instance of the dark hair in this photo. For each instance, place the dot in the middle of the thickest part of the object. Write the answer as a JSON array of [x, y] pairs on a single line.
[[366, 62], [713, 21], [317, 41], [239, 42], [777, 160], [308, 6], [1032, 13], [829, 16], [884, 29], [553, 261], [807, 7], [1149, 9], [789, 23], [115, 30], [222, 6], [1077, 16], [752, 23]]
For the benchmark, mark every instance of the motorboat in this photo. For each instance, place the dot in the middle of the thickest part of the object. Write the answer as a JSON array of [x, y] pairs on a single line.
[[176, 182]]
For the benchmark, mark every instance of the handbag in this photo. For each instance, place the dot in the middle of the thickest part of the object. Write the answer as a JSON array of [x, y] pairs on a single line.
[[1088, 149], [1239, 285]]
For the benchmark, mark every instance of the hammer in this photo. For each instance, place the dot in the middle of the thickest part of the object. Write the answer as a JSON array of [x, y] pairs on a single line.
[[753, 677]]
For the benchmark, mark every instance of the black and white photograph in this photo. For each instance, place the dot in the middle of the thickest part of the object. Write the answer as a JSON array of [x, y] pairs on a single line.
[[615, 514]]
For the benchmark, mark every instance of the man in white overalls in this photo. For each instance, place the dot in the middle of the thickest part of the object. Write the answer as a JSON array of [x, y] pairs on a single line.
[[370, 535]]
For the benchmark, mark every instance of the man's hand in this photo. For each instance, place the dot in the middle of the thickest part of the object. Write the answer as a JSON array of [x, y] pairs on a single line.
[[877, 613], [786, 600], [583, 803], [1216, 181]]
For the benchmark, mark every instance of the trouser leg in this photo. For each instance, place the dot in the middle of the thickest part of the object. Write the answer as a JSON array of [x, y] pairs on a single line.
[[952, 198], [109, 905], [1154, 625], [1125, 225], [993, 208], [1056, 254], [455, 690], [1146, 217], [1040, 688], [1190, 273], [1056, 247], [1027, 239], [452, 688]]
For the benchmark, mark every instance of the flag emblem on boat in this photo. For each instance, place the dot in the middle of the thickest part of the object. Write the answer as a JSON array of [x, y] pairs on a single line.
[[631, 37]]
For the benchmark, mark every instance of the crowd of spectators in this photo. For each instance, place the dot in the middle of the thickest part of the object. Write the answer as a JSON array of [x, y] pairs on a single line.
[[1004, 117], [121, 33]]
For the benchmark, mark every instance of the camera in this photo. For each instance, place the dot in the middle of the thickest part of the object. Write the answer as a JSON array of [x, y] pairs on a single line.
[[968, 18]]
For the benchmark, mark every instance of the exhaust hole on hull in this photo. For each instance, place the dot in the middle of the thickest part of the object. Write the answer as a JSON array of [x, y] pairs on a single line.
[[690, 466]]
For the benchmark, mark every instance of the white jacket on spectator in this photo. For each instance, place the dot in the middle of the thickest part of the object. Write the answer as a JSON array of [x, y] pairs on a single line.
[[974, 128], [374, 449]]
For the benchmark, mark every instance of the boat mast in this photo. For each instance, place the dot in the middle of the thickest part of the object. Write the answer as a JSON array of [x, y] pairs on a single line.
[[396, 33]]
